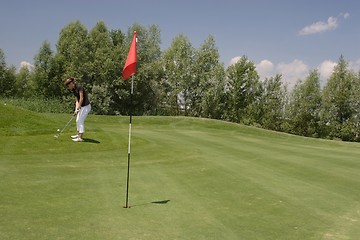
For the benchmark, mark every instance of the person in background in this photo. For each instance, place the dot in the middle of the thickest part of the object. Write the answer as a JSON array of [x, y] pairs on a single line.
[[82, 107]]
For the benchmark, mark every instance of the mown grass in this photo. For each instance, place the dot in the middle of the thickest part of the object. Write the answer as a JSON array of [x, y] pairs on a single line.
[[190, 179]]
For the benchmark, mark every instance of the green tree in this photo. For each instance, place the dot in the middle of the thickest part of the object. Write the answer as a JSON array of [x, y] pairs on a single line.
[[74, 48], [24, 83], [47, 82], [100, 67], [116, 87], [214, 99], [355, 104], [208, 79], [7, 77], [100, 61], [178, 70], [243, 88], [3, 80], [271, 104], [305, 105], [337, 108], [108, 87]]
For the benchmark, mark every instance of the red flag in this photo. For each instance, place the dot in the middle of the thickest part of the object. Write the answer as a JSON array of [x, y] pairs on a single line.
[[130, 64]]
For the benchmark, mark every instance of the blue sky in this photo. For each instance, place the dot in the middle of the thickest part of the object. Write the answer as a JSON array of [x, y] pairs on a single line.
[[290, 37]]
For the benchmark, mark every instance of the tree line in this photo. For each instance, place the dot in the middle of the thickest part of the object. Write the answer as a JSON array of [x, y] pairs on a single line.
[[187, 81]]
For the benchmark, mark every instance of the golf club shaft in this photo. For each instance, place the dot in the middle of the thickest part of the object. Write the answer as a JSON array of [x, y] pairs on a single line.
[[66, 125]]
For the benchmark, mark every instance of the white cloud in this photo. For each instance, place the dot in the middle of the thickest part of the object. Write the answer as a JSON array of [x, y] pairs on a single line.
[[355, 66], [234, 60], [297, 70], [265, 69], [27, 65], [293, 71], [345, 15], [318, 27], [326, 68]]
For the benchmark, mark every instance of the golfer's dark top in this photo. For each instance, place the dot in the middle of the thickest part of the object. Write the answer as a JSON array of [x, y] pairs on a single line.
[[76, 91]]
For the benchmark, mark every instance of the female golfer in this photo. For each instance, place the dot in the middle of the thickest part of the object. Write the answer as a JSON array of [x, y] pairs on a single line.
[[82, 107]]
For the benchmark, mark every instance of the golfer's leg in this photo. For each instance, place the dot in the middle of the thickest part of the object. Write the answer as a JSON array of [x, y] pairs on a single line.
[[84, 111], [77, 123]]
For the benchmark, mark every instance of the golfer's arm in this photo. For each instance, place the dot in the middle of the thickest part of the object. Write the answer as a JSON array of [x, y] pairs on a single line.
[[79, 103]]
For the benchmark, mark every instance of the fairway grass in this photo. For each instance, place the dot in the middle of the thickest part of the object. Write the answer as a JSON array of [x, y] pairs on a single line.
[[190, 179]]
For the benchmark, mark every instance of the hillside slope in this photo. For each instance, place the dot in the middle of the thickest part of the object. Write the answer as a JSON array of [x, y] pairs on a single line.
[[19, 121]]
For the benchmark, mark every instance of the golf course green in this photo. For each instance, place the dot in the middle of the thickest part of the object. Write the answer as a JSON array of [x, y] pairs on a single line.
[[190, 178]]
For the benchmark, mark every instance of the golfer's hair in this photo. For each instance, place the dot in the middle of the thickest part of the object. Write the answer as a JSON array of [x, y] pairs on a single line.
[[69, 80]]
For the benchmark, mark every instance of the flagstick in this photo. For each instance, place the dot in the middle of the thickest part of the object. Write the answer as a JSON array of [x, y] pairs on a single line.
[[128, 169]]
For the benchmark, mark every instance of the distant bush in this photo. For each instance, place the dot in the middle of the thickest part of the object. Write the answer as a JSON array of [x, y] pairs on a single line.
[[41, 105]]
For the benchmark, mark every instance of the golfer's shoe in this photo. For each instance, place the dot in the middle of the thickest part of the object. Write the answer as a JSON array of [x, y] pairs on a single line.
[[78, 139], [74, 136]]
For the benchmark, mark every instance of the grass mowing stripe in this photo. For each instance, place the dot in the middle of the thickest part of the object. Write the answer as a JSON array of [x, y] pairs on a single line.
[[221, 196], [190, 179], [315, 188]]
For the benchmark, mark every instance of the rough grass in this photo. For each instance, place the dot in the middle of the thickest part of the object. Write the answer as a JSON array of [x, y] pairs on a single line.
[[190, 179], [42, 105]]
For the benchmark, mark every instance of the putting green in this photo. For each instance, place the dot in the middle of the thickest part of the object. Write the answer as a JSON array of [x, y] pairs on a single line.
[[190, 179]]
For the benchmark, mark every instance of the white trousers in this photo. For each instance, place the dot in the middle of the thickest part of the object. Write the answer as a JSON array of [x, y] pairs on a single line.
[[80, 118]]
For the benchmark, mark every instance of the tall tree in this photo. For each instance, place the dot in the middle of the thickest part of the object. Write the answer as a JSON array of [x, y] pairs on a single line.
[[214, 98], [355, 104], [116, 87], [73, 46], [243, 89], [178, 68], [3, 83], [305, 105], [272, 102], [24, 84], [101, 67], [206, 78], [337, 108], [100, 48], [46, 79], [7, 77]]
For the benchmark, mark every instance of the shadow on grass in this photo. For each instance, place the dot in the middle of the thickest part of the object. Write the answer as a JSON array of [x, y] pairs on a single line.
[[89, 140], [154, 202], [161, 202]]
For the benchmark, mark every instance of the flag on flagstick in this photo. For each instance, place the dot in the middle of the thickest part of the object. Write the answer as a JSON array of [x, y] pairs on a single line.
[[129, 71], [130, 64]]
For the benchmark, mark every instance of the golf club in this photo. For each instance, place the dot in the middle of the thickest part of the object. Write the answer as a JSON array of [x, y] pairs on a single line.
[[58, 135]]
